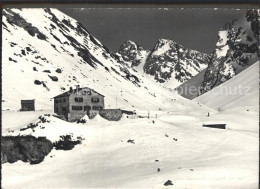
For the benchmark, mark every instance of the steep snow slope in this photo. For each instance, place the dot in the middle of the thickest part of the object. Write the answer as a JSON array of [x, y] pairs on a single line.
[[167, 63], [242, 91], [48, 52], [191, 88]]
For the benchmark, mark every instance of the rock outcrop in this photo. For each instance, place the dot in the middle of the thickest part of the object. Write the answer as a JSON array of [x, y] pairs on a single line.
[[25, 148]]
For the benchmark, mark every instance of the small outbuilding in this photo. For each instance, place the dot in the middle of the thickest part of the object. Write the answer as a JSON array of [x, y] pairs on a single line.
[[216, 126], [28, 105]]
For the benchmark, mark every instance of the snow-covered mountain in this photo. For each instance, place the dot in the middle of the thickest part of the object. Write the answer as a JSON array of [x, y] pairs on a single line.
[[236, 49], [169, 59], [45, 52], [168, 62], [49, 52]]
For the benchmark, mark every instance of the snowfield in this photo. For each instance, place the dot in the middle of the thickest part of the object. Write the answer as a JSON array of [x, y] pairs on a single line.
[[133, 152], [240, 92], [200, 158]]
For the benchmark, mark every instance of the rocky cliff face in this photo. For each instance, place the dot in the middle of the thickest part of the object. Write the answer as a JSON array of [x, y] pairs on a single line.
[[252, 16], [168, 62], [170, 59], [132, 54], [236, 49]]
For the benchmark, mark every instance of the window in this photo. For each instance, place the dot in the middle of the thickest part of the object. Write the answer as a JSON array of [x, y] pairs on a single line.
[[86, 108], [60, 100], [77, 108], [56, 101], [64, 100], [97, 107], [63, 109], [86, 93], [95, 100], [78, 99]]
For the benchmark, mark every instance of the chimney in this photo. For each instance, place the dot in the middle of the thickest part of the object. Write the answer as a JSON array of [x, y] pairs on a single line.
[[71, 90], [77, 88]]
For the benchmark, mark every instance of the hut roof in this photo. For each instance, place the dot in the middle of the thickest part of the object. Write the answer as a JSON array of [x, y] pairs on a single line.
[[67, 93], [27, 101]]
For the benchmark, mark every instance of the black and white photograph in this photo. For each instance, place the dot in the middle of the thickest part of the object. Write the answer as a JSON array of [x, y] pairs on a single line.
[[130, 98]]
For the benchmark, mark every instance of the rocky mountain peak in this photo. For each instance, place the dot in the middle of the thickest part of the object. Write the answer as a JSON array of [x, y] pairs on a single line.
[[168, 61], [128, 50], [131, 53], [172, 63]]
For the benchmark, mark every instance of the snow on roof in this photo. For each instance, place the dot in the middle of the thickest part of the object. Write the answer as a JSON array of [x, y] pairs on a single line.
[[67, 93], [27, 101]]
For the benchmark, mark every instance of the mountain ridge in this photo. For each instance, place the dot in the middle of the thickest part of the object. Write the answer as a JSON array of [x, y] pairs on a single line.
[[237, 48], [54, 52], [168, 62]]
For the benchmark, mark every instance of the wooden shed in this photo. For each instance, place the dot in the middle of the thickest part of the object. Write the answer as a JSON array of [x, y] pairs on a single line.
[[216, 126], [28, 105]]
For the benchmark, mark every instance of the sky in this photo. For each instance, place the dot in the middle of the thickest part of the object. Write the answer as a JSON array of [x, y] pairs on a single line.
[[195, 29]]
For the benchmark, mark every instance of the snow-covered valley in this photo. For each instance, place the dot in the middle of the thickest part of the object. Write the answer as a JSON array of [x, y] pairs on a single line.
[[200, 158], [49, 52]]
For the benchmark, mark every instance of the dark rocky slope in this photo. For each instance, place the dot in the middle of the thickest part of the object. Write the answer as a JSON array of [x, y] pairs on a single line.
[[236, 49], [25, 148], [168, 62]]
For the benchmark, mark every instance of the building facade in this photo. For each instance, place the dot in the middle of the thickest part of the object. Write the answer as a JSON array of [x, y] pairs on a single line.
[[76, 103], [28, 105]]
